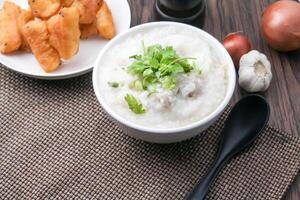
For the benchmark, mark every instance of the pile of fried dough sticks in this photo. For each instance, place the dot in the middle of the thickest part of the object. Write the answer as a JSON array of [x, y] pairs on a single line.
[[52, 29]]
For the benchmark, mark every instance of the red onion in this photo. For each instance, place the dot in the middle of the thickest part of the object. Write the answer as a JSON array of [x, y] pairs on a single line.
[[280, 25], [237, 45]]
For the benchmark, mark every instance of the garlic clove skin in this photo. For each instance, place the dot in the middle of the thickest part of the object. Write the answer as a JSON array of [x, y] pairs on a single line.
[[255, 72]]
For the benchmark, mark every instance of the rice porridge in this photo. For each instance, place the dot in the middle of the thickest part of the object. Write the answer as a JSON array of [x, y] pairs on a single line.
[[163, 78]]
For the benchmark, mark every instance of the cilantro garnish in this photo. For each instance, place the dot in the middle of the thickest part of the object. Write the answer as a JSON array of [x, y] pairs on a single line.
[[169, 83], [137, 85], [113, 84], [158, 65], [134, 104]]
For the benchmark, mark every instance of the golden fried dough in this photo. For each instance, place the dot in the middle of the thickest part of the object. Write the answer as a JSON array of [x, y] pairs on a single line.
[[10, 36], [37, 36], [64, 32], [88, 30], [67, 3], [24, 17], [87, 10], [105, 24], [44, 8]]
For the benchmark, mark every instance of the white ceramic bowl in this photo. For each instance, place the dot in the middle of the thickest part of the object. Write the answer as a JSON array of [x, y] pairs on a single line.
[[157, 135]]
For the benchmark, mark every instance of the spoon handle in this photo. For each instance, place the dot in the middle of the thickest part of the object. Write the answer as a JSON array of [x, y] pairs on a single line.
[[202, 187], [243, 125]]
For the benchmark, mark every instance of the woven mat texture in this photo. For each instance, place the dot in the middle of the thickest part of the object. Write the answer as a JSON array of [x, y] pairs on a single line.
[[57, 143]]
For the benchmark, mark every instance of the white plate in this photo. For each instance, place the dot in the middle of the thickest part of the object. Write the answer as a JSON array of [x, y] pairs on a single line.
[[82, 62]]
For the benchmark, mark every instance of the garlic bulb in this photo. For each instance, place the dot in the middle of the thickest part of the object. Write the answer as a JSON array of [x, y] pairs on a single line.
[[255, 72]]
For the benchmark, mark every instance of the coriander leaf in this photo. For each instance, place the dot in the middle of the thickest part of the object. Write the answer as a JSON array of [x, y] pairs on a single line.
[[157, 74], [170, 69], [147, 72], [137, 85], [134, 104], [186, 65], [113, 84], [135, 57], [154, 51], [149, 80], [168, 54], [136, 68], [169, 83], [156, 63]]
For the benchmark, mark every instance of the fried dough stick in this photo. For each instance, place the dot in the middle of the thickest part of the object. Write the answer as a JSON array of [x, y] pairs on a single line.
[[88, 30], [67, 3], [87, 10], [37, 36], [44, 8], [105, 24], [64, 32], [24, 17], [10, 36]]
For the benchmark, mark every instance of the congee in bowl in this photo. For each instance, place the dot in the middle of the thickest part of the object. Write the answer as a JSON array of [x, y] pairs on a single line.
[[164, 82], [166, 77]]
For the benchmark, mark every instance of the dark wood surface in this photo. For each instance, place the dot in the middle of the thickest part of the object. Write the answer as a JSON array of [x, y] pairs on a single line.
[[225, 16]]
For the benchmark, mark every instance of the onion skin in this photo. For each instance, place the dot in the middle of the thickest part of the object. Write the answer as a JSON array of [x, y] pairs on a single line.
[[237, 45], [280, 25]]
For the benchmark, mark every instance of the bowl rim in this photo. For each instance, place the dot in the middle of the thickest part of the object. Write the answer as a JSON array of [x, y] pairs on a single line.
[[230, 90]]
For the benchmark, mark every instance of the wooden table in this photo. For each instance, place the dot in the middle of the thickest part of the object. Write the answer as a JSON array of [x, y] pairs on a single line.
[[225, 16]]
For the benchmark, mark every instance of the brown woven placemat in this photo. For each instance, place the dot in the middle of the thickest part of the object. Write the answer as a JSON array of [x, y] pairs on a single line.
[[57, 143]]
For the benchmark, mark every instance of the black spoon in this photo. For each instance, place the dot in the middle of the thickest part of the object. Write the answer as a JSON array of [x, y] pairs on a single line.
[[243, 125]]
